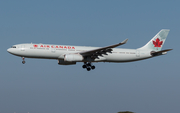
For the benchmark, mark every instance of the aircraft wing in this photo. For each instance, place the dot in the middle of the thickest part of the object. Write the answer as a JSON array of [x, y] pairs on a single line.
[[98, 52]]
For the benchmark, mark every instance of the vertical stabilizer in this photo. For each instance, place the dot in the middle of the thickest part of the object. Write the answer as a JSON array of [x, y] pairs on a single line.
[[157, 41]]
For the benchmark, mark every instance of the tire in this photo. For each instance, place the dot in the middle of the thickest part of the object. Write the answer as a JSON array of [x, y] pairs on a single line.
[[84, 66], [23, 62], [92, 67], [88, 69]]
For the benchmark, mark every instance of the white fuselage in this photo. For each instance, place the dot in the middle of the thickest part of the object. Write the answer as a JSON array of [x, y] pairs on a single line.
[[69, 55], [48, 51]]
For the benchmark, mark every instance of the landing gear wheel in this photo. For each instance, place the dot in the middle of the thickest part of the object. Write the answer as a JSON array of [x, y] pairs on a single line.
[[88, 69], [88, 66], [84, 66], [23, 62], [92, 67]]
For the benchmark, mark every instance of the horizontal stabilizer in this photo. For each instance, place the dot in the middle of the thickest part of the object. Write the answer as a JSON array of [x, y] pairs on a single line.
[[153, 53]]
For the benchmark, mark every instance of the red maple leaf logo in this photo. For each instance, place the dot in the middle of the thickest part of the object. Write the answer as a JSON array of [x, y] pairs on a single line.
[[157, 43], [35, 45]]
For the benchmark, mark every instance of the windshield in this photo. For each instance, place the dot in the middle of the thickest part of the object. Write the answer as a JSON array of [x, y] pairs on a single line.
[[13, 47]]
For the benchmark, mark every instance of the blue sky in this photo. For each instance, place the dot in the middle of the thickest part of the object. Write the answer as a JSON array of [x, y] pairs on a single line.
[[43, 86]]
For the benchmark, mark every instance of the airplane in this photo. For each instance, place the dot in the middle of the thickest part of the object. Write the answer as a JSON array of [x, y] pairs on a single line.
[[70, 55]]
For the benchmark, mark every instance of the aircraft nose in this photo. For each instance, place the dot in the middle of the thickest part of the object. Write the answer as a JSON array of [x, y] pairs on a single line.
[[9, 50]]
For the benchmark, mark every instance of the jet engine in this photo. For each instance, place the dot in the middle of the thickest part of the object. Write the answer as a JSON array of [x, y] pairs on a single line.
[[62, 62], [73, 57]]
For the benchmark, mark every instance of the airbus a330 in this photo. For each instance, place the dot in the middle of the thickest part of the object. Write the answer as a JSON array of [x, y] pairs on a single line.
[[70, 55]]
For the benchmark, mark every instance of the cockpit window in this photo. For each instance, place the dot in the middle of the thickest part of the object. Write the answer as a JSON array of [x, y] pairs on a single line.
[[13, 47]]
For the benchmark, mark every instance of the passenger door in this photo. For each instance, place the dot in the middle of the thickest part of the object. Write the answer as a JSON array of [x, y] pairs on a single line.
[[137, 53]]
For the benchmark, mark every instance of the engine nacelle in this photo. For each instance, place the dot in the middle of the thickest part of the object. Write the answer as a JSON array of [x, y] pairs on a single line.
[[73, 58], [62, 62]]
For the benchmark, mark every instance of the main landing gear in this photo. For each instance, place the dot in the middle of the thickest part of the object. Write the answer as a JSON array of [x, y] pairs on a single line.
[[23, 60], [88, 66]]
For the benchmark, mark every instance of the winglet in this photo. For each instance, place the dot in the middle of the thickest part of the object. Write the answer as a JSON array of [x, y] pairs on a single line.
[[123, 42]]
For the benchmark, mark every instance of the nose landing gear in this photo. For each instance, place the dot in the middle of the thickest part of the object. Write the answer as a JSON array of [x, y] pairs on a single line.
[[23, 60], [88, 66]]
